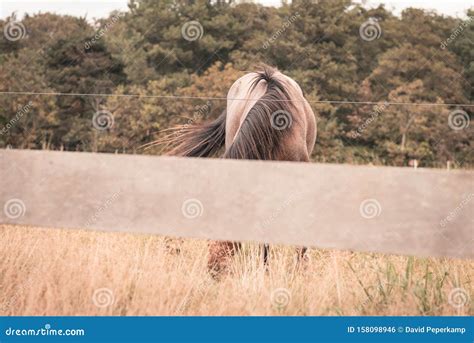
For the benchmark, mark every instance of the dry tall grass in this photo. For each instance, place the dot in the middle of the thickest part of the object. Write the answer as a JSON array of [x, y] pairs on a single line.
[[68, 272]]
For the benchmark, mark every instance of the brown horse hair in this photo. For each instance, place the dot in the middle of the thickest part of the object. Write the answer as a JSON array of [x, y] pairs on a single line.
[[198, 140], [257, 138]]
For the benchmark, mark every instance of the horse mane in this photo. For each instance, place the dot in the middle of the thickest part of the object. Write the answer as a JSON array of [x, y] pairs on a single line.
[[197, 140], [259, 137]]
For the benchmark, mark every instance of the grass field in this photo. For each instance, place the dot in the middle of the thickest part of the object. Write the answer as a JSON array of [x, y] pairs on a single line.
[[76, 272]]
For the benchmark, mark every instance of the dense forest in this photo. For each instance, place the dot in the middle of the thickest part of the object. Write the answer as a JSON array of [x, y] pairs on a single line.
[[337, 50]]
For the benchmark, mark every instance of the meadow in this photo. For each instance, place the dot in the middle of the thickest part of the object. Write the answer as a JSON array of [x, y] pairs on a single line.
[[53, 272]]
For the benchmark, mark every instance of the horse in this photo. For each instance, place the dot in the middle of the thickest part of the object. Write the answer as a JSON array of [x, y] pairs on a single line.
[[267, 117]]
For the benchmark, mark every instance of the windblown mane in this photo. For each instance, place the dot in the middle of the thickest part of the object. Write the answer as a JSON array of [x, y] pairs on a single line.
[[273, 128]]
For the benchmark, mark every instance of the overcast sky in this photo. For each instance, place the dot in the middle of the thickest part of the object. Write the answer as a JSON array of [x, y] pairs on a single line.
[[101, 8]]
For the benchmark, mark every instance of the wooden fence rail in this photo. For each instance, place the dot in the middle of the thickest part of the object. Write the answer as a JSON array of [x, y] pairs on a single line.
[[422, 212]]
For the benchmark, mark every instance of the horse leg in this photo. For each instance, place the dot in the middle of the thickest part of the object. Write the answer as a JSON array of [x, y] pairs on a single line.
[[266, 254], [301, 252], [301, 256], [220, 253]]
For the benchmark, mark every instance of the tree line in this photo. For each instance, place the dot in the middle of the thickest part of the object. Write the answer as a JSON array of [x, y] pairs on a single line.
[[336, 50]]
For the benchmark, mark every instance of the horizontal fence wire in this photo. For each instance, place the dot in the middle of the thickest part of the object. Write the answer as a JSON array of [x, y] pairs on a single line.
[[341, 102]]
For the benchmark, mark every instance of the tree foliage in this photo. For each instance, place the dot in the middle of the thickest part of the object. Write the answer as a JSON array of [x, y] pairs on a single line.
[[127, 59]]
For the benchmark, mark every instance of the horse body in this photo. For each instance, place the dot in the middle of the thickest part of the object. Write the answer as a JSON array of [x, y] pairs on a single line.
[[267, 118]]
